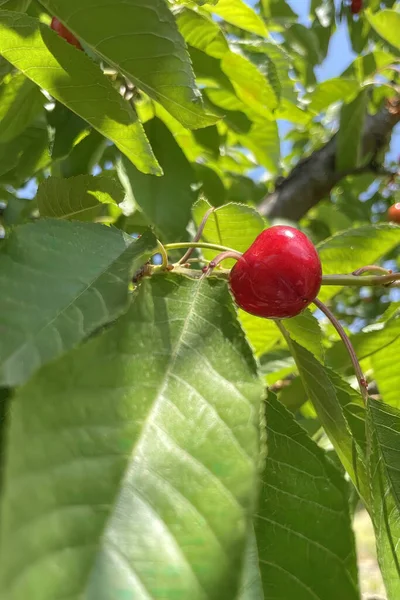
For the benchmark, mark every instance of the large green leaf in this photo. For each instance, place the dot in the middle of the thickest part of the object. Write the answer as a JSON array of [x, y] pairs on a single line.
[[238, 13], [233, 225], [133, 460], [384, 433], [251, 585], [59, 282], [349, 137], [305, 539], [387, 24], [73, 79], [80, 197], [165, 201], [144, 43], [20, 102], [347, 251]]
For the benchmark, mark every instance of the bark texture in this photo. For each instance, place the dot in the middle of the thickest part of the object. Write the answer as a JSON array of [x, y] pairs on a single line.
[[314, 177]]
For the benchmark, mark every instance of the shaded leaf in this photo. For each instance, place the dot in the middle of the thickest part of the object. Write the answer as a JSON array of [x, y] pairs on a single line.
[[20, 102], [349, 137], [330, 91], [143, 42], [386, 372], [80, 197], [263, 140], [147, 467], [59, 282], [165, 201], [73, 79], [303, 527], [23, 156]]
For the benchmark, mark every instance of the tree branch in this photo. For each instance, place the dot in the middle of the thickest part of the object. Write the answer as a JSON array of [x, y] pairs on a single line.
[[315, 176]]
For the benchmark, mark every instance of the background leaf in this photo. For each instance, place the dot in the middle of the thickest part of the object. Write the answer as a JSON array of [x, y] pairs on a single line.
[[386, 23], [20, 103], [348, 149]]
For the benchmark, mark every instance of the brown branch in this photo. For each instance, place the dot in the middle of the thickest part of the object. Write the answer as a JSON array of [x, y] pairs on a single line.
[[314, 177]]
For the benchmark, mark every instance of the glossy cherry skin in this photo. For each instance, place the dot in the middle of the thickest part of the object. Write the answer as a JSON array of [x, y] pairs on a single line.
[[278, 276], [65, 33], [394, 213]]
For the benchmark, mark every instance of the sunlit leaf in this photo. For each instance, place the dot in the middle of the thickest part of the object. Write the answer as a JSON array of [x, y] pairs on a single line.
[[144, 43], [133, 460], [71, 77], [387, 24], [240, 14]]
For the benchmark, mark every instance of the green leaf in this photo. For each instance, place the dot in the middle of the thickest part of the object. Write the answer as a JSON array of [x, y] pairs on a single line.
[[375, 337], [303, 527], [73, 79], [386, 373], [278, 9], [250, 85], [349, 250], [80, 197], [304, 41], [238, 13], [384, 433], [349, 137], [165, 201], [330, 91], [250, 584], [60, 281], [23, 156], [142, 42], [202, 33], [262, 334], [17, 5], [306, 331], [20, 102], [233, 225], [263, 140], [133, 460], [386, 24], [339, 409]]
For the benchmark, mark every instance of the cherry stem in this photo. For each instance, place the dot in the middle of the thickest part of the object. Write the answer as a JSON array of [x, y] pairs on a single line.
[[218, 259], [345, 339], [164, 256], [197, 237], [372, 268], [356, 280], [206, 245]]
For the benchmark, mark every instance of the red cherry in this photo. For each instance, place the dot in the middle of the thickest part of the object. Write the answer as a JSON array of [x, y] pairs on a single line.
[[356, 6], [65, 33], [394, 213], [278, 276]]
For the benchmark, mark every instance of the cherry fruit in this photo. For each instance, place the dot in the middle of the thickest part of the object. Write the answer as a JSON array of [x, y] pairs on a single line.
[[65, 33], [278, 276], [394, 213], [356, 6]]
